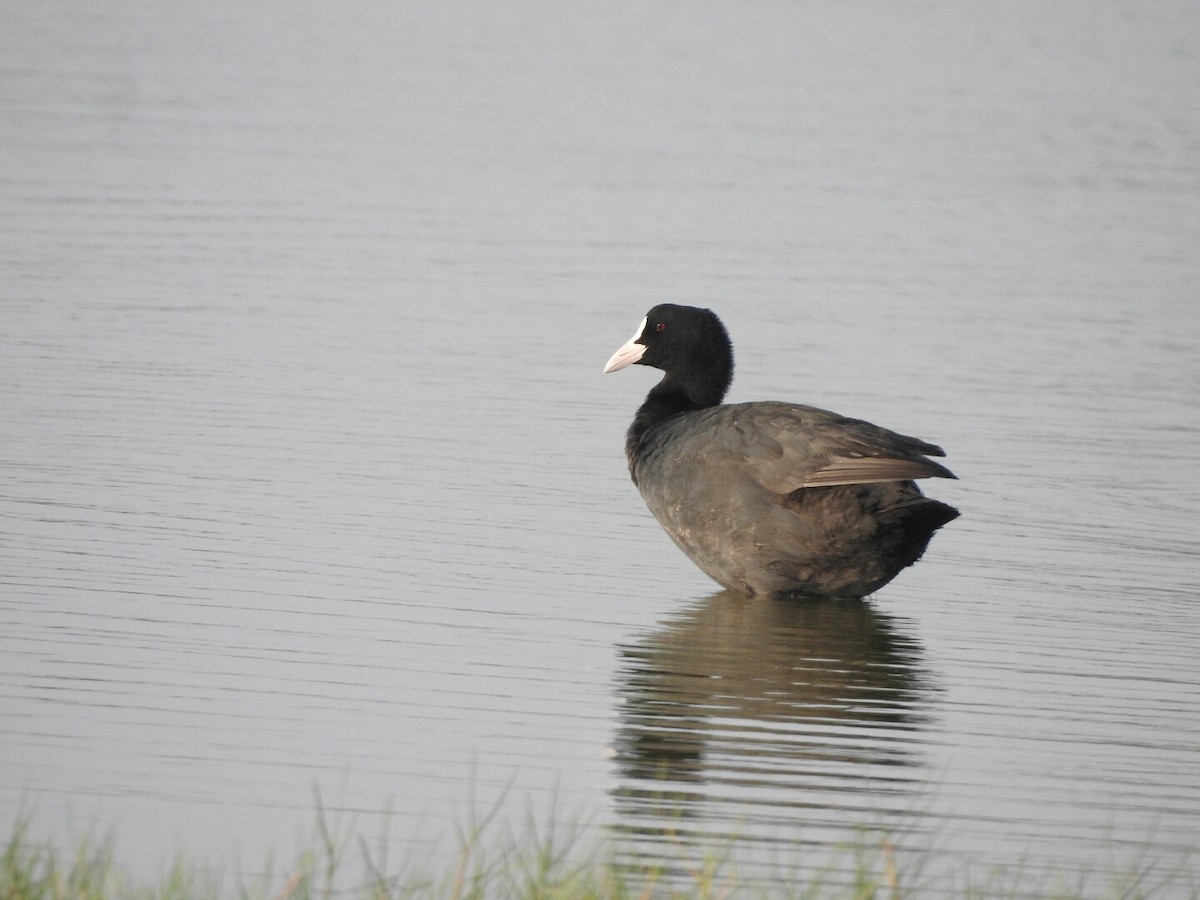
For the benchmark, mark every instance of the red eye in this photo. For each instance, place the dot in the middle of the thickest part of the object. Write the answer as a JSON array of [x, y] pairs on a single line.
[[661, 326]]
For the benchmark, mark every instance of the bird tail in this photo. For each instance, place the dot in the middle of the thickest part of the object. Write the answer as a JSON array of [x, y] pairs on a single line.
[[911, 524]]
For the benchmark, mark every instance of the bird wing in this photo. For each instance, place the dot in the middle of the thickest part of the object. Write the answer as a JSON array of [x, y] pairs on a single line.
[[788, 447]]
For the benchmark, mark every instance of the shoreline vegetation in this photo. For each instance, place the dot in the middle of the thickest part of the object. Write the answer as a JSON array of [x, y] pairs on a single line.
[[548, 860]]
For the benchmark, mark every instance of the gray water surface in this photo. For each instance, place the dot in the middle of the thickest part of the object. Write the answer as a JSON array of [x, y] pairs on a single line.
[[309, 479]]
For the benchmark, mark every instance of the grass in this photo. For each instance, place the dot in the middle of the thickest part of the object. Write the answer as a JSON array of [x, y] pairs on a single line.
[[544, 860]]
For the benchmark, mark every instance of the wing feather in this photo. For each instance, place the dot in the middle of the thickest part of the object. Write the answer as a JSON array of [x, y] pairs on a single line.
[[787, 447], [873, 469]]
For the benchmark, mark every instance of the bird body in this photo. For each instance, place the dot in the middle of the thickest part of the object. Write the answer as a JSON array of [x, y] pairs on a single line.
[[769, 497]]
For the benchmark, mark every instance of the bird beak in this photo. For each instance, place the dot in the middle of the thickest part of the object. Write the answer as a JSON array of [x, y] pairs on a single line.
[[631, 351]]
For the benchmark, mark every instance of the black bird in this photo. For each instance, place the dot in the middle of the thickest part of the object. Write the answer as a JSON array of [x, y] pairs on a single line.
[[770, 498]]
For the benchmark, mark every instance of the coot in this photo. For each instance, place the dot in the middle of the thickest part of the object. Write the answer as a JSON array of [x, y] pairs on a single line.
[[770, 498]]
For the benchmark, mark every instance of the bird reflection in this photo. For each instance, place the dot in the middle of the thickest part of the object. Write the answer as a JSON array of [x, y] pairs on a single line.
[[765, 706]]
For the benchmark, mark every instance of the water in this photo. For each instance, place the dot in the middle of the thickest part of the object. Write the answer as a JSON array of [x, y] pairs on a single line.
[[310, 479]]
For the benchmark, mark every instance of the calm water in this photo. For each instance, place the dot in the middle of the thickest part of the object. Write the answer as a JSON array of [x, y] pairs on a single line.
[[308, 477]]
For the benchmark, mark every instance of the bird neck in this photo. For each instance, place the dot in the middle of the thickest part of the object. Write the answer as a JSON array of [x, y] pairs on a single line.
[[668, 398]]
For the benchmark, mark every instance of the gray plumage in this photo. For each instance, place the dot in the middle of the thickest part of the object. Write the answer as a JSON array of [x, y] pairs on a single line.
[[768, 497]]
